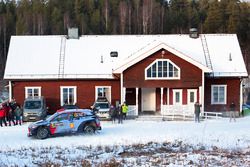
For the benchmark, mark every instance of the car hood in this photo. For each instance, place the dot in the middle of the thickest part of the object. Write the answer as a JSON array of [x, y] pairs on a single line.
[[39, 123]]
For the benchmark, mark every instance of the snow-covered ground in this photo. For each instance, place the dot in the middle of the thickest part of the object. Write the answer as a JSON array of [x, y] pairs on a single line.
[[115, 141]]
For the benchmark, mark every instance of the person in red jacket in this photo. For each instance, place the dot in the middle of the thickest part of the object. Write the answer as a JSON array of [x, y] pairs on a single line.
[[9, 114], [2, 116]]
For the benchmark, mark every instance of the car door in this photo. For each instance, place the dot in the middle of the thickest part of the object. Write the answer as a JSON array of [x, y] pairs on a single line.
[[61, 123], [76, 119]]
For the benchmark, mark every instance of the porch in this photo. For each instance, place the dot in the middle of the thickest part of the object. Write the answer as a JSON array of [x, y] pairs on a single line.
[[171, 112], [161, 102]]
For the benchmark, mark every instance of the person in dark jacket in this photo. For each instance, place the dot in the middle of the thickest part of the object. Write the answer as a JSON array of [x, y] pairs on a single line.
[[197, 111], [10, 115], [13, 104], [232, 112], [112, 113], [119, 114], [18, 114], [2, 116]]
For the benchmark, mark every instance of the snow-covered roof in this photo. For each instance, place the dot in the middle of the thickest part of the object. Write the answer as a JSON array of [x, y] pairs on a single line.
[[38, 57]]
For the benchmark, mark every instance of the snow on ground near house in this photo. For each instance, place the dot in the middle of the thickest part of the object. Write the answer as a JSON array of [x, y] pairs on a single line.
[[134, 143], [220, 133]]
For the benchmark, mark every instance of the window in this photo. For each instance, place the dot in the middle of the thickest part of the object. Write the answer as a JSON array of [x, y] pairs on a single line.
[[192, 96], [68, 95], [103, 91], [32, 92], [218, 94], [162, 69], [177, 96]]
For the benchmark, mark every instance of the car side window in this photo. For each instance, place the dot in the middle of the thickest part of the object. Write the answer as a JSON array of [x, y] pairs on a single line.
[[61, 117], [77, 115]]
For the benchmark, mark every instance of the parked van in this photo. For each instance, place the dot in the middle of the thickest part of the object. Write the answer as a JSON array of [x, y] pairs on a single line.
[[101, 107], [34, 109]]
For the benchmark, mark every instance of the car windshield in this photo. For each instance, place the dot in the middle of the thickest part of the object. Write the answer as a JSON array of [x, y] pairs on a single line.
[[51, 117], [102, 105], [32, 104]]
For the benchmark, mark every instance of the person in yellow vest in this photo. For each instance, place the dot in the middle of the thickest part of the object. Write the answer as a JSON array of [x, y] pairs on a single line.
[[124, 110]]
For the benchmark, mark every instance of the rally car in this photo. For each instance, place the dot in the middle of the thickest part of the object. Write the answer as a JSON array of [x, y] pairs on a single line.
[[67, 121]]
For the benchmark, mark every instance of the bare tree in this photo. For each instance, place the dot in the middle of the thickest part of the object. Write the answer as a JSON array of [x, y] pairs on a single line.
[[106, 14], [123, 16], [146, 10]]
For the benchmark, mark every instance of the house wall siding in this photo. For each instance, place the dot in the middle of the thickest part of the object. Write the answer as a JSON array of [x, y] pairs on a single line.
[[191, 76], [50, 89], [233, 93]]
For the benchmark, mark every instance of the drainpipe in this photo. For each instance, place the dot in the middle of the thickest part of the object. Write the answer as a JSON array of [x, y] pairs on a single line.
[[10, 91]]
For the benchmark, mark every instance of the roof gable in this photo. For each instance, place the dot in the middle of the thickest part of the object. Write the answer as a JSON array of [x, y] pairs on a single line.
[[151, 49]]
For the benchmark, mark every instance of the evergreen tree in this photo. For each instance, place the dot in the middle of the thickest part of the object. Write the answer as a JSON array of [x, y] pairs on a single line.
[[213, 23], [179, 14]]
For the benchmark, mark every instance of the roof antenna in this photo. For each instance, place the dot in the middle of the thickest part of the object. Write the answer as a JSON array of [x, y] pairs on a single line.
[[230, 57]]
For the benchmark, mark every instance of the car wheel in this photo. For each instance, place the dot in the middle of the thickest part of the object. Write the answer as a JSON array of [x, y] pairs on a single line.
[[89, 129], [42, 133]]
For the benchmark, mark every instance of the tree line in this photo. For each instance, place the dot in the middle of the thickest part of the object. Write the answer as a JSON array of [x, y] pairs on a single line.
[[54, 17]]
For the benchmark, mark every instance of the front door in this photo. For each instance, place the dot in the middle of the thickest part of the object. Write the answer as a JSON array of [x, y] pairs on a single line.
[[148, 99]]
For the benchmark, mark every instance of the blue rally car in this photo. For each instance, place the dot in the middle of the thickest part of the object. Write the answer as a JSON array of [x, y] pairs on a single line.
[[66, 121]]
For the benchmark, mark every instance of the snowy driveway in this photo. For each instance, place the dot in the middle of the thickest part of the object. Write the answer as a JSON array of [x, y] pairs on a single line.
[[220, 133]]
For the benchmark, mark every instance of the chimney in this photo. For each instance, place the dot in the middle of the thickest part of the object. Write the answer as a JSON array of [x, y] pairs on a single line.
[[193, 33], [73, 33]]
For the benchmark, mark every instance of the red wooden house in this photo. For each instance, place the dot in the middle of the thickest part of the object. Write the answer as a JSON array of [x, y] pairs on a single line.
[[158, 73]]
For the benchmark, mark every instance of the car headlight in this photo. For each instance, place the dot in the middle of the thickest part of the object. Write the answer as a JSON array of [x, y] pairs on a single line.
[[33, 126], [39, 113], [25, 114]]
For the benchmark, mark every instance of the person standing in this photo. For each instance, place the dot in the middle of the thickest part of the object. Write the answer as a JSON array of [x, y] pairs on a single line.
[[232, 112], [18, 113], [197, 111], [2, 116], [119, 114], [112, 113], [10, 115], [124, 110], [13, 104]]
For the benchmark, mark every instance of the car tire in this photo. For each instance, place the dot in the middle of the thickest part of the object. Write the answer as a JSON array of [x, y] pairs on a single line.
[[88, 129], [42, 133]]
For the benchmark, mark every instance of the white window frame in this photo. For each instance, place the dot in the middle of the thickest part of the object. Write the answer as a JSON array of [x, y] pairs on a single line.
[[32, 87], [195, 95], [61, 94], [212, 94], [174, 96], [162, 78], [108, 87]]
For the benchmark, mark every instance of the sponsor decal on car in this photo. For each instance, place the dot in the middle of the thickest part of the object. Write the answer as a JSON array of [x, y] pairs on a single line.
[[71, 125]]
